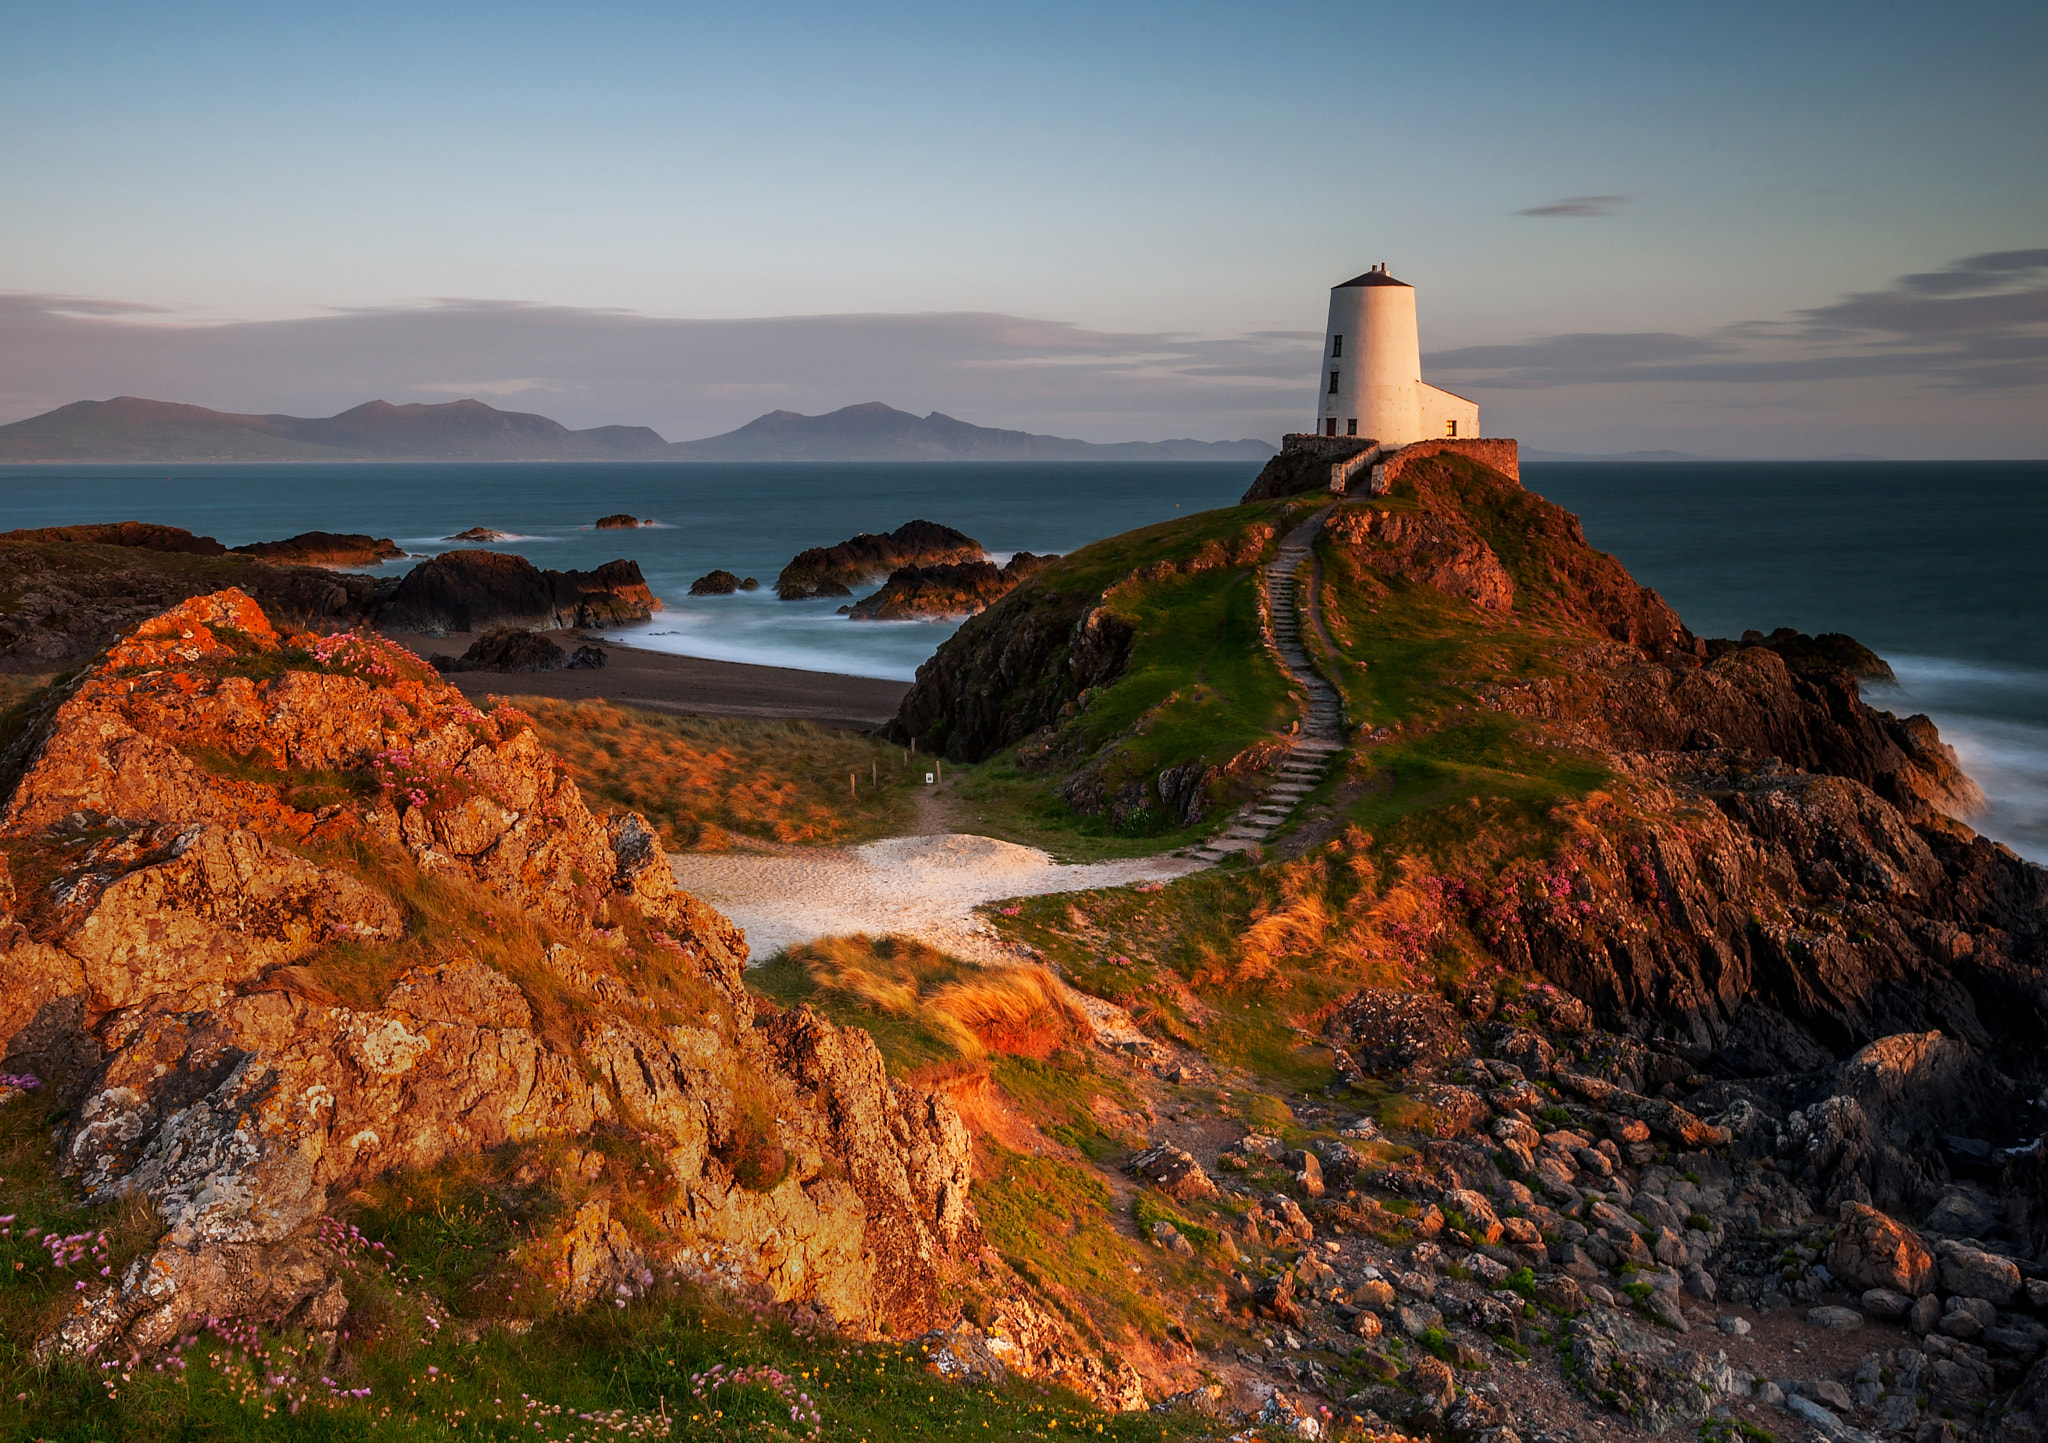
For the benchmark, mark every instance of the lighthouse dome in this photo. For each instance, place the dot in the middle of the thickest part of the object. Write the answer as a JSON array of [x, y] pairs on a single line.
[[1372, 278]]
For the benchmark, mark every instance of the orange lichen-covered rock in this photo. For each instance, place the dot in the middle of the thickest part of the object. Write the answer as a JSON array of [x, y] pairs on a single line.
[[281, 914], [1872, 1251]]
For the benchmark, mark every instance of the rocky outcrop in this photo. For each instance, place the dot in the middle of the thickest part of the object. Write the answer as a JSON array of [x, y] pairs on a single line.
[[66, 592], [1025, 663], [949, 590], [867, 558], [1430, 549], [479, 590], [620, 521], [224, 854], [513, 649], [326, 548], [147, 535], [1830, 651]]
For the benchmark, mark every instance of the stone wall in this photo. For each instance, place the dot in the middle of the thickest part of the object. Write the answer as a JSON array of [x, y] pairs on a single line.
[[1498, 453], [1304, 464]]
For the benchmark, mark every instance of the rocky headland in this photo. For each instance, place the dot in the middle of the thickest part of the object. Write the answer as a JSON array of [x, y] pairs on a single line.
[[867, 558], [947, 590], [1703, 1002], [284, 913], [71, 590], [326, 548]]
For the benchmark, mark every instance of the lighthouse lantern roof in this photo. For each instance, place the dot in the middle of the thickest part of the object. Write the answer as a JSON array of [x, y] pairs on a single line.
[[1375, 277]]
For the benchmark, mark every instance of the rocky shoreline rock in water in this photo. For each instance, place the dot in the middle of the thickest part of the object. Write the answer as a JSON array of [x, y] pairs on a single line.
[[825, 571], [326, 548], [948, 590], [234, 1067], [480, 590], [479, 533], [620, 521], [722, 583]]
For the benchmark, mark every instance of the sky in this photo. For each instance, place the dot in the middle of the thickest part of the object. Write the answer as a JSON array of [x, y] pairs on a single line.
[[1734, 230]]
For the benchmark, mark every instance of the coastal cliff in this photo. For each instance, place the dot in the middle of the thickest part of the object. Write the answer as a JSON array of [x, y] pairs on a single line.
[[282, 914]]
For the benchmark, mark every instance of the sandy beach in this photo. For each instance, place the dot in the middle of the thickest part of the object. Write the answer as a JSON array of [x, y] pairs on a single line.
[[663, 681]]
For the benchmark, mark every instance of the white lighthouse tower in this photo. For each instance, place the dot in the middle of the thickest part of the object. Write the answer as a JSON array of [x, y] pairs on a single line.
[[1371, 379]]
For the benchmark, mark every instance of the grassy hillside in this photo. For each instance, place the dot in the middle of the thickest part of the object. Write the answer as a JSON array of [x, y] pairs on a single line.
[[703, 782]]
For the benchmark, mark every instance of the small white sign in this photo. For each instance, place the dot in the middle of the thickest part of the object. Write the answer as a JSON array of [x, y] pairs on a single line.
[[927, 778]]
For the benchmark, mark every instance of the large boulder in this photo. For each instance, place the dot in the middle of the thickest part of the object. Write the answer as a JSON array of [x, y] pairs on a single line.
[[1871, 1250], [1969, 1272], [506, 648]]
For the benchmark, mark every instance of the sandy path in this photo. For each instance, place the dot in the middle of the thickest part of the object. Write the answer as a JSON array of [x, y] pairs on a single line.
[[923, 887]]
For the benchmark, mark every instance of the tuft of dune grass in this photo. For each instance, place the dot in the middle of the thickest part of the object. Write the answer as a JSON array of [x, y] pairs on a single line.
[[923, 1007], [703, 781]]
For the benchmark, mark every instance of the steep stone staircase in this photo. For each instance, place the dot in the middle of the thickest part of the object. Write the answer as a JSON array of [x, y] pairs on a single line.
[[1322, 730]]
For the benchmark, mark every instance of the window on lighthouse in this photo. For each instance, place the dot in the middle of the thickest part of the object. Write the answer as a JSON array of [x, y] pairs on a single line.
[[1336, 347], [1333, 382], [1351, 428], [1450, 428]]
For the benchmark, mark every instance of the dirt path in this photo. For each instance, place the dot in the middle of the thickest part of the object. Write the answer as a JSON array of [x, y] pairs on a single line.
[[925, 886]]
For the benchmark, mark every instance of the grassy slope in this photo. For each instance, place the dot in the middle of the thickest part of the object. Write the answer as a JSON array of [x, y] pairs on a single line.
[[1198, 687], [704, 781], [1442, 804]]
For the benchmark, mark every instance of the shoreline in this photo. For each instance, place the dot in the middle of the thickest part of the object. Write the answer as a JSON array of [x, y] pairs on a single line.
[[685, 685]]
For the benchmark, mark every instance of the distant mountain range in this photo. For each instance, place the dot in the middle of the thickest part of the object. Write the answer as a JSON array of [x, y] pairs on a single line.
[[130, 429], [875, 432]]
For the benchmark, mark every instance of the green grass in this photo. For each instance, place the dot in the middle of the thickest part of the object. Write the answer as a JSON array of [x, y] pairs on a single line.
[[1052, 1221], [1002, 800]]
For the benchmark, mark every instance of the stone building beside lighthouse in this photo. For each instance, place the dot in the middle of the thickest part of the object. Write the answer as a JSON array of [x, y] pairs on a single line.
[[1375, 415], [1371, 383]]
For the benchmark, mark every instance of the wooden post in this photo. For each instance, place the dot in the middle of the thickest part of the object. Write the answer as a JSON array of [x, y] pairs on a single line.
[[853, 783]]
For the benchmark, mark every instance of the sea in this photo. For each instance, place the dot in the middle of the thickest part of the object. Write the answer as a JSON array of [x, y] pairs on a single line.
[[1940, 567]]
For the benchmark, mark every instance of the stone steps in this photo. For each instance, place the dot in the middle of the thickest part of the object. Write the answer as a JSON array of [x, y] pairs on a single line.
[[1322, 726]]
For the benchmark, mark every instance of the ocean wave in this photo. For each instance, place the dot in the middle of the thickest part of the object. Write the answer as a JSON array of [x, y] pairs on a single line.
[[756, 650], [449, 543], [1916, 673], [1987, 712]]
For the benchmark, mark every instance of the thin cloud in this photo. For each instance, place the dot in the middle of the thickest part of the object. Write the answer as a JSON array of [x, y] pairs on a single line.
[[1579, 205], [1978, 324], [685, 378]]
